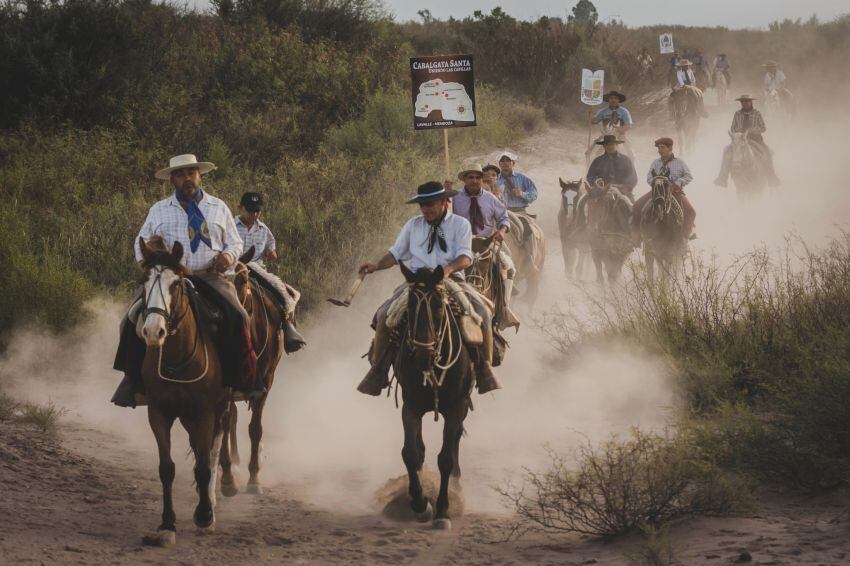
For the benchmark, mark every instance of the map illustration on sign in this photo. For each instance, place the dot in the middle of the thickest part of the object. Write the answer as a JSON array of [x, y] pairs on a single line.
[[450, 99], [442, 91]]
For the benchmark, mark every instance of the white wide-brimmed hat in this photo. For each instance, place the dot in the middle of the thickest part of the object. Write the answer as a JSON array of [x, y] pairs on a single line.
[[510, 155], [183, 162]]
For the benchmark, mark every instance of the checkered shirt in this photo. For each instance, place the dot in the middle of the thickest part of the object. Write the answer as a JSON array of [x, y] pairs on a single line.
[[258, 235]]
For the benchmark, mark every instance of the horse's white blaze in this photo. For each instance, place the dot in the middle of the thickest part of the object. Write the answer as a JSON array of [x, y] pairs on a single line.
[[214, 454], [158, 296]]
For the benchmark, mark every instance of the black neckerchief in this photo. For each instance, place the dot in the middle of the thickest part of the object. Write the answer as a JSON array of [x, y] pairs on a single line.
[[476, 216], [436, 235]]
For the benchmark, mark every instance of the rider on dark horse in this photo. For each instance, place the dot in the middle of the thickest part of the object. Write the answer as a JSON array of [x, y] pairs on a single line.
[[750, 121], [677, 171], [437, 237], [613, 168], [204, 226]]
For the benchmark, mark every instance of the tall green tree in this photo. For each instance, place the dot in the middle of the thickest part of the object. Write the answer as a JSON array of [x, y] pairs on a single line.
[[584, 11]]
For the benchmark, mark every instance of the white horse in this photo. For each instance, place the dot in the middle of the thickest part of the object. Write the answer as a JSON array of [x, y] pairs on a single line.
[[720, 86], [745, 166]]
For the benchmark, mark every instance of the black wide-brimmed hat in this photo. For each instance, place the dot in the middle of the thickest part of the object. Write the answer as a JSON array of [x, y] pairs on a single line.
[[608, 138], [619, 95], [432, 190]]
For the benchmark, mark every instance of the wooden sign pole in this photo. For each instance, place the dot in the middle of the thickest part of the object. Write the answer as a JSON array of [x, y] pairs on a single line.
[[446, 153], [589, 124]]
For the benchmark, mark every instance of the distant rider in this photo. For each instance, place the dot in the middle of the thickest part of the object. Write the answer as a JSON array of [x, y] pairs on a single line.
[[750, 121]]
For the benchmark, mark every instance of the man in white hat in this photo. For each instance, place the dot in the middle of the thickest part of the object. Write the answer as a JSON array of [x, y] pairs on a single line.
[[749, 121], [204, 225], [435, 238], [684, 74], [518, 190]]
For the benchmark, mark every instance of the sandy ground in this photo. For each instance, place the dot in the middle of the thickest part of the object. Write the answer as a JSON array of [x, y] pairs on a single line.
[[90, 494]]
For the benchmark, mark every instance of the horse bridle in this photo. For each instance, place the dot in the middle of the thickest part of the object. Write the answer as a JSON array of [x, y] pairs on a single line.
[[240, 269], [170, 323], [441, 335]]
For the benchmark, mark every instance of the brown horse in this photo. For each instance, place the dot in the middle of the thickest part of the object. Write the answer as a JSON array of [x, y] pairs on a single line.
[[485, 274], [608, 214], [686, 108], [661, 229], [182, 375], [528, 250], [574, 243], [435, 372], [267, 336]]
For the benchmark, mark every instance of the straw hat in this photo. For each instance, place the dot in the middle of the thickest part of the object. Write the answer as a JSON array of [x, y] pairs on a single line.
[[184, 162], [472, 168]]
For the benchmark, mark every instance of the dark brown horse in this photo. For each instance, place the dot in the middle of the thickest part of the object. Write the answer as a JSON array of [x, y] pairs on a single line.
[[267, 337], [435, 373], [608, 214], [485, 274], [661, 229], [686, 109], [183, 380], [572, 228]]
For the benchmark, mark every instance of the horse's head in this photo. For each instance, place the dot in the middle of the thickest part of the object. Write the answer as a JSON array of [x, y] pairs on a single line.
[[570, 191], [662, 192], [427, 314], [240, 279], [740, 146], [163, 285]]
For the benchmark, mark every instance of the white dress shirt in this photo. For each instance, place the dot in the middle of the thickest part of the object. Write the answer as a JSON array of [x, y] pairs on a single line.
[[258, 235], [683, 74], [412, 243], [169, 220]]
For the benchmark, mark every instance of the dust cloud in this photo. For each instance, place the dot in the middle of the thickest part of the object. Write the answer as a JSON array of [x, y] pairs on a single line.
[[335, 447]]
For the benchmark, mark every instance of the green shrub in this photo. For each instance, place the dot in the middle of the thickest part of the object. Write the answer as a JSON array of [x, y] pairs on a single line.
[[622, 486]]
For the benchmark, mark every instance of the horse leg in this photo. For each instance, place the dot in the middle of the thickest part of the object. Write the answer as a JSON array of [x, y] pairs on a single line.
[[203, 435], [597, 262], [160, 424], [420, 444], [410, 454], [228, 446], [452, 429], [255, 431]]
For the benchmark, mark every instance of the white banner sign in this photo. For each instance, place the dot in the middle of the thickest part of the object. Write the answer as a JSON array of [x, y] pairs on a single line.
[[592, 83], [665, 40]]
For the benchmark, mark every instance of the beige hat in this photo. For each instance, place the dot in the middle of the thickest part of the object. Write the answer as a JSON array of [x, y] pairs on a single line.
[[683, 63], [770, 64], [745, 97], [472, 168], [183, 162]]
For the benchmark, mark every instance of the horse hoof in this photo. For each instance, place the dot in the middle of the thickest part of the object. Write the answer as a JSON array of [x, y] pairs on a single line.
[[254, 489], [163, 539], [425, 515], [442, 524], [207, 530], [206, 523], [229, 489]]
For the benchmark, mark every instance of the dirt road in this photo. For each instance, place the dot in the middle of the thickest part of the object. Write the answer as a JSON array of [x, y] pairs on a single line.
[[89, 495]]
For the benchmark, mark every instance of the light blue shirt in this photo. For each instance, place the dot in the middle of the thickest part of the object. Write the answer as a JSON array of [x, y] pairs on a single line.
[[412, 243], [606, 113], [529, 190]]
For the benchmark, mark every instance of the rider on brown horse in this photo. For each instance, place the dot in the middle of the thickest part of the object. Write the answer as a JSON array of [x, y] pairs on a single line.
[[435, 238], [204, 226], [254, 232], [670, 166], [613, 168], [748, 120], [489, 218]]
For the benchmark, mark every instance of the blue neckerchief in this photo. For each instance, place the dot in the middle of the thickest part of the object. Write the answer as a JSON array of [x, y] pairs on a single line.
[[198, 231]]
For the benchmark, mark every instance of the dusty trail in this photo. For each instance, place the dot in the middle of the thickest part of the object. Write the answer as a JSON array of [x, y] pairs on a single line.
[[89, 496]]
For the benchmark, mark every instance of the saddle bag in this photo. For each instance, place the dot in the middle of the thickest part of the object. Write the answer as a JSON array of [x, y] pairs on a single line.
[[471, 331]]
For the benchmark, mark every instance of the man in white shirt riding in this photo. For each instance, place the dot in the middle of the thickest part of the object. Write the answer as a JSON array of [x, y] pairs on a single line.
[[436, 237], [204, 225]]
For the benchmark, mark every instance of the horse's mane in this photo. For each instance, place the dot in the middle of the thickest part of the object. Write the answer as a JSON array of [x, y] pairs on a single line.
[[162, 256]]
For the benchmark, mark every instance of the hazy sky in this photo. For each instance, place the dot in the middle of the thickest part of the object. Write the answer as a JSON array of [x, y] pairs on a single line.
[[729, 13]]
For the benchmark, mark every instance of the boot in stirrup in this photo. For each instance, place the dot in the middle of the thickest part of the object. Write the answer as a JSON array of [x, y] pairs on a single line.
[[292, 339], [485, 378], [376, 379]]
